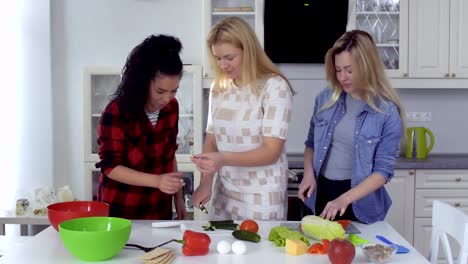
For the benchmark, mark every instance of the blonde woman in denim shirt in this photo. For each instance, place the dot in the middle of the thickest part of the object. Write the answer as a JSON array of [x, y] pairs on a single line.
[[354, 135]]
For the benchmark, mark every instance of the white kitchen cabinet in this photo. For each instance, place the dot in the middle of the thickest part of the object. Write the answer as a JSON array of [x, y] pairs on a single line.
[[438, 39], [99, 85], [448, 186], [216, 10], [401, 214], [422, 240], [413, 191], [387, 22]]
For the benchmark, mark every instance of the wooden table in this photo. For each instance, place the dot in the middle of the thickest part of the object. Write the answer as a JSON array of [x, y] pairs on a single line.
[[46, 247]]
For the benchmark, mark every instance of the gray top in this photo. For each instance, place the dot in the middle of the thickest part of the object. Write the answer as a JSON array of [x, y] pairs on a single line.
[[339, 162]]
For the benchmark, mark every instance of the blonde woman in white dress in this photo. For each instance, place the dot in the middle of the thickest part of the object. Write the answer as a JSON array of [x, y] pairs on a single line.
[[249, 112]]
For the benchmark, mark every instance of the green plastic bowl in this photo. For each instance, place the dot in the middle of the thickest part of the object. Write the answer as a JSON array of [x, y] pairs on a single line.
[[95, 238]]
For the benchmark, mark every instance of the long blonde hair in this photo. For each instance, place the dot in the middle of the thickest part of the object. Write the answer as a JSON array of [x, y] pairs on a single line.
[[256, 64], [368, 70]]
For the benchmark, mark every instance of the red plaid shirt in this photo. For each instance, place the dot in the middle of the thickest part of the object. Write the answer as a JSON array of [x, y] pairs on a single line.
[[136, 144]]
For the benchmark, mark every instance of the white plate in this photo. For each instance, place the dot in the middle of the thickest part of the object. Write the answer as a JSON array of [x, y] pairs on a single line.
[[165, 224]]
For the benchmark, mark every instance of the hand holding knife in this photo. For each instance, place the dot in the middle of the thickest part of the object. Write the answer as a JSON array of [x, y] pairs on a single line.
[[203, 208]]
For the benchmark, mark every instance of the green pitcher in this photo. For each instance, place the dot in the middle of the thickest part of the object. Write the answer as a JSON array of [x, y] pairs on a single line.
[[416, 146]]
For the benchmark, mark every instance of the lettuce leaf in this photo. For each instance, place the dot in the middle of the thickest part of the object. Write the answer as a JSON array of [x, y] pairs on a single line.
[[279, 234]]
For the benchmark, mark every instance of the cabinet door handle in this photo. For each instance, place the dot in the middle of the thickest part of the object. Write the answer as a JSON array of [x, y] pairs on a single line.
[[457, 204], [447, 75], [412, 172], [453, 75], [405, 75], [458, 179]]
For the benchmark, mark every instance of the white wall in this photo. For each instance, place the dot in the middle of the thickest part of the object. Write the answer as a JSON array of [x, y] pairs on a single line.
[[26, 101], [448, 107], [102, 33], [449, 120]]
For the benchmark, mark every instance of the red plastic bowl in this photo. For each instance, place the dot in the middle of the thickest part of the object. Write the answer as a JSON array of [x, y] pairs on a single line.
[[59, 212]]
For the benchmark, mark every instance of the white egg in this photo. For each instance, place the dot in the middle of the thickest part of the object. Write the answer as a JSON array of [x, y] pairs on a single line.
[[223, 247], [239, 247]]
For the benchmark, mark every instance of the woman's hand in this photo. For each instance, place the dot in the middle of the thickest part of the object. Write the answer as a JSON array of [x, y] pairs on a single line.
[[307, 186], [333, 207], [208, 163], [181, 211], [170, 182], [203, 192]]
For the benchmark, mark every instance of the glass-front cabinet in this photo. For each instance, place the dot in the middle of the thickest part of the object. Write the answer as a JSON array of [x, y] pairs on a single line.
[[100, 84], [216, 10], [387, 22]]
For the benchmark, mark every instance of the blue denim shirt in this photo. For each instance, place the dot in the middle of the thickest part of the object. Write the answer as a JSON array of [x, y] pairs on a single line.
[[377, 137]]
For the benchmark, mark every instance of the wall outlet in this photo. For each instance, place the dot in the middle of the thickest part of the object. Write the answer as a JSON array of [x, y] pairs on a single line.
[[419, 116]]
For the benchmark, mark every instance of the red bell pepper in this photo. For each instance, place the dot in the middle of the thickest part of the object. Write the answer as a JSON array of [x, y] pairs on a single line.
[[344, 223], [195, 243], [319, 248], [316, 248]]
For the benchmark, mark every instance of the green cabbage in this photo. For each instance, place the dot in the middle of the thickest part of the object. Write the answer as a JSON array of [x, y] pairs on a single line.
[[279, 234], [319, 228]]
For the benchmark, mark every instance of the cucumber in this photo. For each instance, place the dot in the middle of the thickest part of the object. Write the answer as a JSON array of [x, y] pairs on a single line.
[[223, 224], [214, 223], [226, 226], [246, 235]]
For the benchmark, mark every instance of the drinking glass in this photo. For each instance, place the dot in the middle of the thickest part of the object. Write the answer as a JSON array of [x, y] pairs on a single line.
[[361, 5]]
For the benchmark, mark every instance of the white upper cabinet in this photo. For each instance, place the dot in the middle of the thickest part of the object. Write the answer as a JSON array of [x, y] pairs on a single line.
[[438, 39], [387, 22], [99, 85], [459, 38], [216, 10]]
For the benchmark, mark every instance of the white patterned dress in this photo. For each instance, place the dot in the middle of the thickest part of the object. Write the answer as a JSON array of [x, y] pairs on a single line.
[[239, 119]]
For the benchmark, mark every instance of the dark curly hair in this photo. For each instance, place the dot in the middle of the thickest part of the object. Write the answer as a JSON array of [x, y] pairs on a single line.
[[155, 55]]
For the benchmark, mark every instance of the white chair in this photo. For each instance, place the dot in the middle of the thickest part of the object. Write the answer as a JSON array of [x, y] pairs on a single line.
[[447, 219]]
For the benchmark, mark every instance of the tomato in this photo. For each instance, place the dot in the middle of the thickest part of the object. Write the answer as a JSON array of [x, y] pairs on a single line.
[[341, 251], [249, 225]]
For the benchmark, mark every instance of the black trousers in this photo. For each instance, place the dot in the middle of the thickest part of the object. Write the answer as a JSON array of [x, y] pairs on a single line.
[[329, 190]]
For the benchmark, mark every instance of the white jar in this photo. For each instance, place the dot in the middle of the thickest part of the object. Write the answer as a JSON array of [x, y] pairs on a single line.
[[65, 194]]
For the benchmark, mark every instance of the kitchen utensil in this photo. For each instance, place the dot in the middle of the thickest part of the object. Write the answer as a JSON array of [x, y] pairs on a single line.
[[400, 249], [203, 208], [163, 224], [352, 229], [148, 249], [416, 146], [59, 212], [95, 238]]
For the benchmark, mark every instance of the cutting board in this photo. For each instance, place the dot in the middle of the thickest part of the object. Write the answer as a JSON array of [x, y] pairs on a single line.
[[351, 229]]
